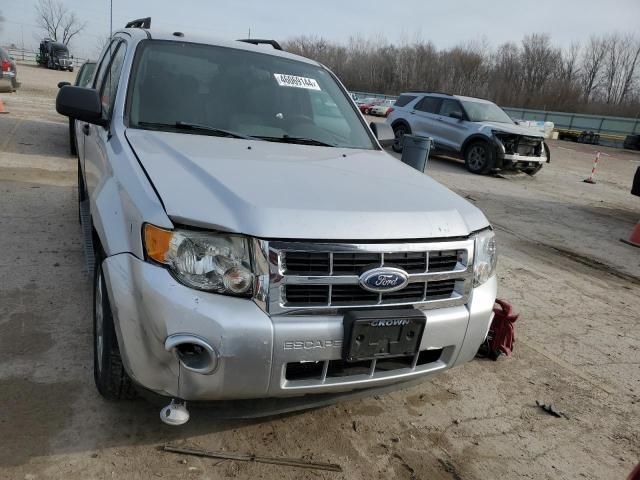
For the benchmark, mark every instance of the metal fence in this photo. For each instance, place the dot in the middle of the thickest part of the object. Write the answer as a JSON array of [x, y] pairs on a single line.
[[618, 127], [614, 127], [29, 56]]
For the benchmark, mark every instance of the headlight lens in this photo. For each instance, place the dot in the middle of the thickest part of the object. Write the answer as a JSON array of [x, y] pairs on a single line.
[[214, 262], [486, 257]]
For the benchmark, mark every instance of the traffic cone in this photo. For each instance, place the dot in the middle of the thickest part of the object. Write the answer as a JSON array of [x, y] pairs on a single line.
[[634, 239], [2, 110]]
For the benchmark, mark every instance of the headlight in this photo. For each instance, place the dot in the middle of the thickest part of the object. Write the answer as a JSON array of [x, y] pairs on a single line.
[[213, 262], [486, 257]]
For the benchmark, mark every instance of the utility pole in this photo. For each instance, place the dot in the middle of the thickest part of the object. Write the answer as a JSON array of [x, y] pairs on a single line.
[[249, 33], [22, 40]]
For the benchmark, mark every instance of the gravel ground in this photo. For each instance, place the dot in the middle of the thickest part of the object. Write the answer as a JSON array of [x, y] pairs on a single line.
[[562, 265]]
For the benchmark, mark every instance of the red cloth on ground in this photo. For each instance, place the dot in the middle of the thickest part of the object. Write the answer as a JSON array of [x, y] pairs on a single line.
[[502, 332]]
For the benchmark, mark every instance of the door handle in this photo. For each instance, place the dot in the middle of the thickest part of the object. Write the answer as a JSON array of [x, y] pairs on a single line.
[[85, 128]]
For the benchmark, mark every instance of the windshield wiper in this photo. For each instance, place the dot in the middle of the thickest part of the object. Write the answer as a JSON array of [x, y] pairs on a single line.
[[297, 141], [195, 127]]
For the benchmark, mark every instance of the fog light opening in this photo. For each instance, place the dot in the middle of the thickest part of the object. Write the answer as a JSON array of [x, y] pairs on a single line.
[[193, 356], [193, 353]]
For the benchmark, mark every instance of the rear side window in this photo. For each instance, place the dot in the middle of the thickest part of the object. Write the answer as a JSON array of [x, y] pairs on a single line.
[[429, 104], [404, 100]]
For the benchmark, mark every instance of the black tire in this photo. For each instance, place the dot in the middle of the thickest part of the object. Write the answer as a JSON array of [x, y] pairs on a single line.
[[109, 374], [71, 69], [72, 137], [479, 158], [399, 131]]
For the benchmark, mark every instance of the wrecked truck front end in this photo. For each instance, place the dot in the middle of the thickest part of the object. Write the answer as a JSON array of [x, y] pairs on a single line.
[[517, 151]]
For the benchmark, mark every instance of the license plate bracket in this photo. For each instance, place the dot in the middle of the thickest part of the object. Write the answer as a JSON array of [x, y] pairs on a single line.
[[382, 334]]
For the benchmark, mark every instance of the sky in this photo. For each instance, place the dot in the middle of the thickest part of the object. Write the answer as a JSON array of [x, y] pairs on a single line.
[[446, 23]]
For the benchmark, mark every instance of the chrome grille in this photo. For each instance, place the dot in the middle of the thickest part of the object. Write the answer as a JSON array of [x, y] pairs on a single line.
[[325, 277]]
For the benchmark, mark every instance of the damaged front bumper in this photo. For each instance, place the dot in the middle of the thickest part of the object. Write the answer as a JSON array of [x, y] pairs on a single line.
[[260, 356], [519, 151]]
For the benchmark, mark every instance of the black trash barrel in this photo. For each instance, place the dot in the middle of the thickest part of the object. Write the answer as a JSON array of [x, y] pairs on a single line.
[[415, 151]]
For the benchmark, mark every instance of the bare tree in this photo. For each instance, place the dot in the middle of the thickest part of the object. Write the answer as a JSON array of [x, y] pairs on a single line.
[[620, 67], [1, 21], [592, 64], [60, 24], [536, 74]]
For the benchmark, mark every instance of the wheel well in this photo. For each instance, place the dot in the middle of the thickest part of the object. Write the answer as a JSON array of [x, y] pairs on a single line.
[[401, 122], [473, 139]]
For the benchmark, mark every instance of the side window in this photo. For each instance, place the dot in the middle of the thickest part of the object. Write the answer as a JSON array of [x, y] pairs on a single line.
[[109, 86], [429, 104], [450, 106], [104, 63], [404, 100]]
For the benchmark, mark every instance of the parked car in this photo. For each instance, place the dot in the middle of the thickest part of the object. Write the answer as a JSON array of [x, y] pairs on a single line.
[[54, 55], [475, 129], [218, 202], [8, 72], [367, 104], [83, 79], [382, 109]]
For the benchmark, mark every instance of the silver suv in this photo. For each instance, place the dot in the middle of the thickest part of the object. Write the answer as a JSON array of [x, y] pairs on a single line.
[[252, 238], [475, 129]]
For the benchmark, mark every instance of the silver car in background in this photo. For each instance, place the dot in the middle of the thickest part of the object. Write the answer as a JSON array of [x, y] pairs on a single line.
[[475, 129], [253, 240]]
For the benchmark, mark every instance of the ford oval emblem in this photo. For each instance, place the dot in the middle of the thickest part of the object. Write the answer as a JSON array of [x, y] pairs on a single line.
[[384, 280]]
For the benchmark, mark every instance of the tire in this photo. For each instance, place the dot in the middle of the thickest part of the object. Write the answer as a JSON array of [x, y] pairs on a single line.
[[111, 379], [71, 69], [366, 111], [399, 131], [72, 138], [479, 158]]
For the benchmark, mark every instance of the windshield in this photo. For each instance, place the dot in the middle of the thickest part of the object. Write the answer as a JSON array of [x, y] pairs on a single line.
[[485, 112], [240, 92]]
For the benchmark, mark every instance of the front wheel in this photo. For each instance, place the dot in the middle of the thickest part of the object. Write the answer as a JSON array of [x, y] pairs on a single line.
[[399, 132], [479, 158], [109, 374]]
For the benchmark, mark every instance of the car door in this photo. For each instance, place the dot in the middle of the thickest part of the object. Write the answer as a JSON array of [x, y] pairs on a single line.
[[423, 118], [96, 164], [450, 126]]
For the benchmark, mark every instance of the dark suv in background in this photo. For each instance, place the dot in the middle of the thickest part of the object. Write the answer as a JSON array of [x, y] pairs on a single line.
[[475, 129]]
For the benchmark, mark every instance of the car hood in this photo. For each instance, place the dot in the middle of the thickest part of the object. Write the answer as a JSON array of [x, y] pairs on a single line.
[[274, 190], [507, 128]]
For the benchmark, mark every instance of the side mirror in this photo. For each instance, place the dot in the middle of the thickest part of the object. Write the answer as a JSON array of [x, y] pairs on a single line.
[[80, 103], [384, 133], [63, 84], [457, 115]]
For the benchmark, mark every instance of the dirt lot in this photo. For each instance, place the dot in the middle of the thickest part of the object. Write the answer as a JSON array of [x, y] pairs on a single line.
[[562, 265]]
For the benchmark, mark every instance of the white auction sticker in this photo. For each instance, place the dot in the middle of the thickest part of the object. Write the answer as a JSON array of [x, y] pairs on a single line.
[[297, 82]]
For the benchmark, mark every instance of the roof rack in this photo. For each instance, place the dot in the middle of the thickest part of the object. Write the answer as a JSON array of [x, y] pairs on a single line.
[[258, 41], [139, 23]]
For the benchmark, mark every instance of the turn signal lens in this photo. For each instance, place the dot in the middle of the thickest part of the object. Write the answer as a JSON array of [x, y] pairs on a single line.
[[156, 242]]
